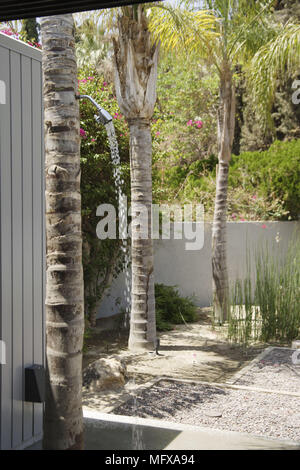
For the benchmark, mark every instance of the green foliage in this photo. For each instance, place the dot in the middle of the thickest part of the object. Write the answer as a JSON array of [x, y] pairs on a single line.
[[276, 60], [184, 123], [273, 174], [92, 42], [268, 309], [171, 308], [185, 95], [101, 258], [262, 185], [30, 30]]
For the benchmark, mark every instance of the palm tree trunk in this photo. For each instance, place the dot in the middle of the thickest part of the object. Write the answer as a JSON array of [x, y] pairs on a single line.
[[219, 246], [143, 326], [63, 423], [136, 59]]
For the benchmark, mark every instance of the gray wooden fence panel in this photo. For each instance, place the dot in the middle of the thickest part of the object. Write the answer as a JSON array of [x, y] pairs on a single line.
[[6, 258], [27, 137], [16, 195], [22, 239], [38, 194]]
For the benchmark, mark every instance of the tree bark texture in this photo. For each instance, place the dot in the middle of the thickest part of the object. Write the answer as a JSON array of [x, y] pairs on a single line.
[[63, 422], [136, 59], [226, 119]]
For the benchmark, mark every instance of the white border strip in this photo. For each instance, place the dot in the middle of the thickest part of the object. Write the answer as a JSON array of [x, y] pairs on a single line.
[[104, 420]]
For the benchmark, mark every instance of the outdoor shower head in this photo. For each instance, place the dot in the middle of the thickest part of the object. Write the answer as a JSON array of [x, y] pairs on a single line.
[[103, 116]]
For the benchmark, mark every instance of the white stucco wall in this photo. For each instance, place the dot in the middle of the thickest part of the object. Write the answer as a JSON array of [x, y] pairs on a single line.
[[191, 272]]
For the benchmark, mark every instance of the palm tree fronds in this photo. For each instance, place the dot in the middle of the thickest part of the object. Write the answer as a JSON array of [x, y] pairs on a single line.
[[177, 28], [279, 58]]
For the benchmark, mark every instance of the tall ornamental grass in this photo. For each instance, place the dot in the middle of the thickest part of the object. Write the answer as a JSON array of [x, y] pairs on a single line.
[[268, 308]]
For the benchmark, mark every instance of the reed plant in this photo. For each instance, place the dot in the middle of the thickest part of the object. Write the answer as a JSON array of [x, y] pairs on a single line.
[[265, 304]]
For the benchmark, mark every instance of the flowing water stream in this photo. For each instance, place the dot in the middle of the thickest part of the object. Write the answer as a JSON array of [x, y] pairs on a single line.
[[115, 156], [137, 432]]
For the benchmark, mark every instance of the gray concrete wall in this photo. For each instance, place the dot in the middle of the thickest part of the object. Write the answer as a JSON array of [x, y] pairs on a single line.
[[191, 270], [21, 237]]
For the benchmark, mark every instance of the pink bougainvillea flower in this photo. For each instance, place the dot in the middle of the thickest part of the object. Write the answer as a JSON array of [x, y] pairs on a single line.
[[254, 197], [90, 78], [117, 116], [82, 133], [242, 219], [199, 124], [93, 140], [189, 123], [233, 216], [263, 226], [157, 133], [104, 83], [121, 135]]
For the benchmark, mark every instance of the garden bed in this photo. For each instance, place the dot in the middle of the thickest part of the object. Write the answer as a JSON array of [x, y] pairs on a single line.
[[274, 370], [241, 407], [260, 413]]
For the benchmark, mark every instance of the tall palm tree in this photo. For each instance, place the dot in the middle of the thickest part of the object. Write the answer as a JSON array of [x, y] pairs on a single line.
[[63, 423], [240, 30], [136, 59]]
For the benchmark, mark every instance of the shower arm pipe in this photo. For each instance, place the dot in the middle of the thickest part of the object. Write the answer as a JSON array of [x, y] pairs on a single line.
[[104, 115]]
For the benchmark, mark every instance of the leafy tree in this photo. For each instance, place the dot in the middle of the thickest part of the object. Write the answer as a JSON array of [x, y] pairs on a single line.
[[222, 37], [285, 115]]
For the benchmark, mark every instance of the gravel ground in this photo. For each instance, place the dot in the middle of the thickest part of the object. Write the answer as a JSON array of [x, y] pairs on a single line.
[[265, 414], [275, 371]]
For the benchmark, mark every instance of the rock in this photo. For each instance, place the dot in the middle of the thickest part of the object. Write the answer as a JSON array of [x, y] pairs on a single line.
[[105, 373]]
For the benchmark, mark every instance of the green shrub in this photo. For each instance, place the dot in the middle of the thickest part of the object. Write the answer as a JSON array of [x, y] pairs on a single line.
[[171, 308], [262, 185], [272, 174]]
